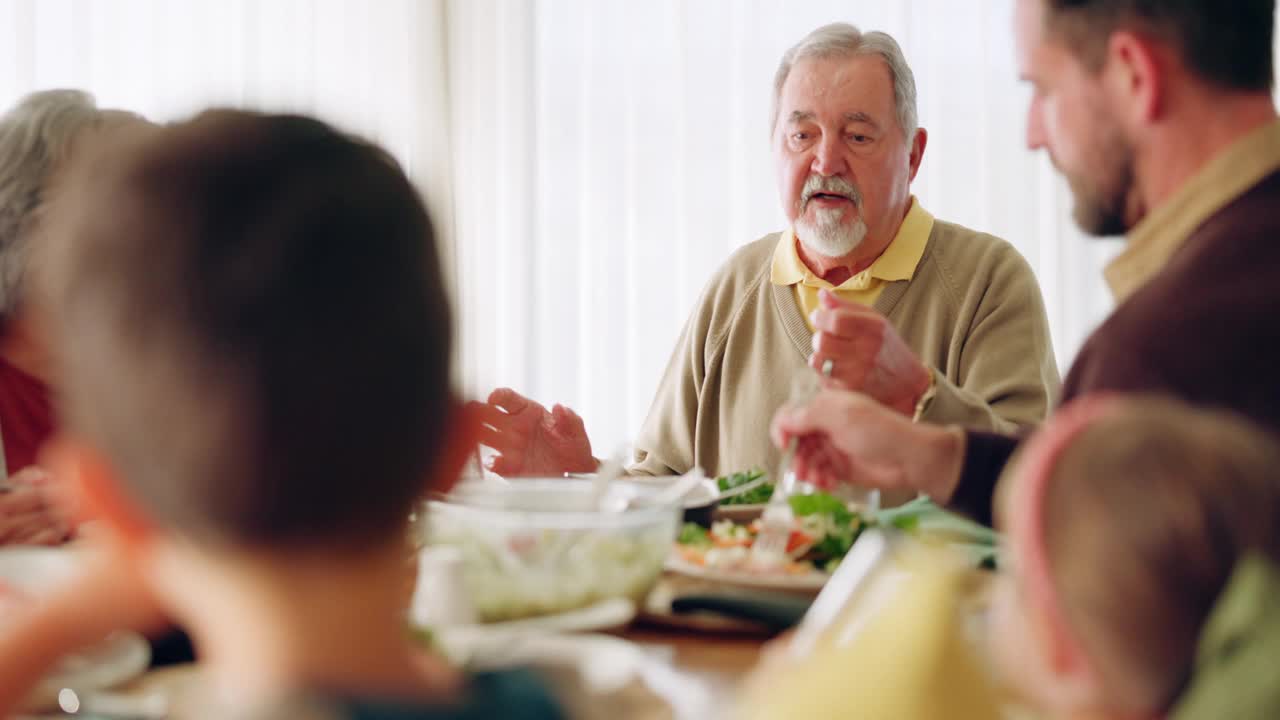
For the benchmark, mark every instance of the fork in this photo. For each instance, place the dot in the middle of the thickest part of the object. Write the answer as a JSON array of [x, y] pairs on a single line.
[[777, 520], [770, 546]]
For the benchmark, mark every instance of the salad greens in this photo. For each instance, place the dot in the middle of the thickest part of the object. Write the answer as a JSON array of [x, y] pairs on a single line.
[[820, 503], [830, 523], [755, 496], [923, 515], [694, 535], [825, 529]]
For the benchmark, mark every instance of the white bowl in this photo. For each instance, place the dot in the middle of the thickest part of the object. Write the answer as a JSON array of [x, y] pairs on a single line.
[[538, 547]]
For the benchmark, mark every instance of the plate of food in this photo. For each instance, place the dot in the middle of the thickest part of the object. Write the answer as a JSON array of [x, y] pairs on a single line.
[[825, 528], [824, 531]]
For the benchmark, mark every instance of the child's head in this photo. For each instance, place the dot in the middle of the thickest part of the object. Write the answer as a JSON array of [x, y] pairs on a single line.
[[1125, 519], [255, 331]]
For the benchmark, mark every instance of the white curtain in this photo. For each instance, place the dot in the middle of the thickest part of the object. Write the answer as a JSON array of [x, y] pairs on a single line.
[[590, 162], [375, 68], [610, 155]]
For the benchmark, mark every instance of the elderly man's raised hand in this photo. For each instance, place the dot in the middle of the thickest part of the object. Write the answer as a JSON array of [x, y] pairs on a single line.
[[531, 440], [848, 438], [867, 354], [32, 512]]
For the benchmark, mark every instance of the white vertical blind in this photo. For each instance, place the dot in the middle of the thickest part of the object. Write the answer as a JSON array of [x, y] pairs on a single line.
[[375, 68], [593, 161]]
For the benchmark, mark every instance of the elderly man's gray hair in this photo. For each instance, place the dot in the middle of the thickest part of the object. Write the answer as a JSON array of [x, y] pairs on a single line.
[[845, 40], [35, 137]]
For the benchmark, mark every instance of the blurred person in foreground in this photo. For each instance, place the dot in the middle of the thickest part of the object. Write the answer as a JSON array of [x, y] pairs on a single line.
[[252, 477], [1139, 581], [936, 322], [1162, 119], [38, 138], [1144, 580]]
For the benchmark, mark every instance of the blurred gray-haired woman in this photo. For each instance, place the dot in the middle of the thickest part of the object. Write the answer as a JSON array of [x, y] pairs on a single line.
[[38, 138]]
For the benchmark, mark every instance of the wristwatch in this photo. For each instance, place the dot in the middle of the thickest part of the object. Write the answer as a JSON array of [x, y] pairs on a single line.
[[926, 398]]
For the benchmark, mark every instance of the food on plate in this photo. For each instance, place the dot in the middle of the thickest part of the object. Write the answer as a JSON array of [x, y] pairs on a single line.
[[823, 532], [755, 496]]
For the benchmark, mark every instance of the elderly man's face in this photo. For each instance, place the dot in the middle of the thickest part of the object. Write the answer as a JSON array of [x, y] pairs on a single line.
[[1071, 118], [844, 166]]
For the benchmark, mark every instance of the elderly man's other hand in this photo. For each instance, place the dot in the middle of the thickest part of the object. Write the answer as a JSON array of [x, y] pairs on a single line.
[[867, 354], [531, 440], [848, 438], [32, 511]]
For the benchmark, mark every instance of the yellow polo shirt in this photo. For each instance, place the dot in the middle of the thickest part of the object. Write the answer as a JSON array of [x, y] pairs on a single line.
[[897, 262]]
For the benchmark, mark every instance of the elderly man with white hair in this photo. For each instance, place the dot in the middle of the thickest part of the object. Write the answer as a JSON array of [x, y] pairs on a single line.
[[936, 321], [37, 139]]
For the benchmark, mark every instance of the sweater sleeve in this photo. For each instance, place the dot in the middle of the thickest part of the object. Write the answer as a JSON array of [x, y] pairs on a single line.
[[985, 456], [665, 445], [1006, 375]]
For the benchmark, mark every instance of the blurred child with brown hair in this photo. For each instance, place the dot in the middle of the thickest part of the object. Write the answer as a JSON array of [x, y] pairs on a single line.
[[1144, 538], [255, 355]]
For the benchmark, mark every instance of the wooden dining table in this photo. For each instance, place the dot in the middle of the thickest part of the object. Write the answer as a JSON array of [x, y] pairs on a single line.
[[725, 655], [720, 658], [716, 655]]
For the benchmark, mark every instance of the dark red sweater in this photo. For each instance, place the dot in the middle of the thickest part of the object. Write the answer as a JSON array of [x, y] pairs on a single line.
[[1206, 329], [26, 417]]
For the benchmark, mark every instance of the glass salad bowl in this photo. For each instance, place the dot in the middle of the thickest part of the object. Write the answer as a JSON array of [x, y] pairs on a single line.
[[544, 546]]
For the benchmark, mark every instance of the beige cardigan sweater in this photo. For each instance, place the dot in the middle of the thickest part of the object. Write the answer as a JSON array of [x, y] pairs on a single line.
[[972, 311]]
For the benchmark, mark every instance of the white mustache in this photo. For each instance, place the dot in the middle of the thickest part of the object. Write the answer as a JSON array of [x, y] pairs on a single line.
[[817, 184]]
